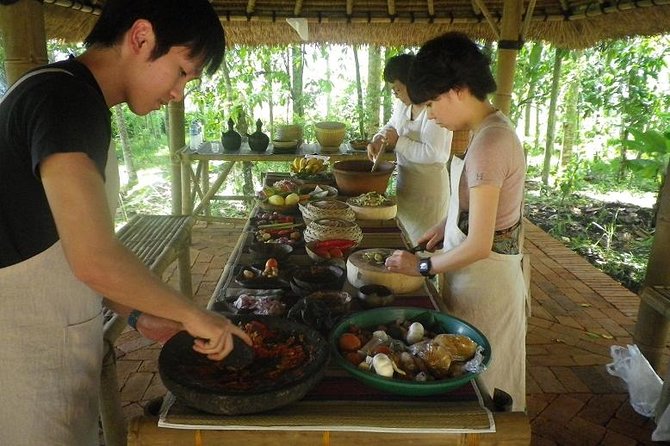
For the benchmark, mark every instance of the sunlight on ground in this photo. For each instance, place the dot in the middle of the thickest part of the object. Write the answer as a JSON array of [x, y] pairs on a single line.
[[645, 200]]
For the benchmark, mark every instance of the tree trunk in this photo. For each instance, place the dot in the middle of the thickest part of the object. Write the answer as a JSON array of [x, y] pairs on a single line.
[[533, 60], [267, 66], [387, 97], [536, 141], [359, 92], [571, 121], [329, 96], [551, 119], [373, 96], [125, 146], [229, 88], [623, 135], [298, 63], [248, 187]]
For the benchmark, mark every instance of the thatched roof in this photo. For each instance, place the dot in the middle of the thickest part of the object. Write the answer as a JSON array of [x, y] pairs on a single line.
[[565, 23]]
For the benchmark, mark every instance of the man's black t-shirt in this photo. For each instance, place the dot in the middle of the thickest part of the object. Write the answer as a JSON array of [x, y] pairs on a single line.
[[52, 112]]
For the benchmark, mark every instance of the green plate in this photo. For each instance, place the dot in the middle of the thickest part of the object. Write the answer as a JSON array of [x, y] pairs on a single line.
[[429, 318]]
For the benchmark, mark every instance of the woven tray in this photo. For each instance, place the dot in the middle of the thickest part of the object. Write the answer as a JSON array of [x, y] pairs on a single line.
[[315, 210]]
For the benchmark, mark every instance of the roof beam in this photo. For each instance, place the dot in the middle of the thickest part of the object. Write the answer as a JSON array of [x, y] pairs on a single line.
[[391, 8], [251, 6], [489, 18], [527, 18], [73, 4], [431, 8], [297, 9]]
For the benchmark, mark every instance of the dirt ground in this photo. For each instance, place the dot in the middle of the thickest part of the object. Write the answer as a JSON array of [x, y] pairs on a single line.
[[613, 236]]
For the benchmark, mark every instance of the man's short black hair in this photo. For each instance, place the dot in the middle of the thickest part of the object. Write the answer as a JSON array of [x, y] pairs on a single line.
[[190, 23], [397, 68], [449, 61]]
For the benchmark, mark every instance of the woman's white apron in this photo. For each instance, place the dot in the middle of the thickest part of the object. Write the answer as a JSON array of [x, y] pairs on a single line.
[[423, 196], [490, 294], [51, 349]]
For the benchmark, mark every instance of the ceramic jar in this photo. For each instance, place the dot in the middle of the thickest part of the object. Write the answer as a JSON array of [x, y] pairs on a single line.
[[231, 140], [258, 141]]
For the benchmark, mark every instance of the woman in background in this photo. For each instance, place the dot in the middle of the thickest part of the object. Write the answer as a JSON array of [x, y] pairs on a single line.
[[422, 150]]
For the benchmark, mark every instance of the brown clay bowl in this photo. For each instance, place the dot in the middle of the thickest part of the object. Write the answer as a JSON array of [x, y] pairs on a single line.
[[354, 177]]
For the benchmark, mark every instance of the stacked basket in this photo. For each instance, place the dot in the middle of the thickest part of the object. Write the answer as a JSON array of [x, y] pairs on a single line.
[[315, 210], [333, 228]]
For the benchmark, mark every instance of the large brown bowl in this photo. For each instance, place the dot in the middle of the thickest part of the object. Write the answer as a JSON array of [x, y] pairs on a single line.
[[354, 177]]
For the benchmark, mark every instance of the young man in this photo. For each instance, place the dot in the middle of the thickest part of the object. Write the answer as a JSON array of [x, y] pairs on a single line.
[[58, 252]]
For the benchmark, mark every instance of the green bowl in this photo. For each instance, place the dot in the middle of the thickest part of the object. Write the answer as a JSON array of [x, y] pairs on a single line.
[[430, 318]]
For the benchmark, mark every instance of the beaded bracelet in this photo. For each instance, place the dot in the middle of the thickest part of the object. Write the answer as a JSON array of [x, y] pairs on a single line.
[[133, 317]]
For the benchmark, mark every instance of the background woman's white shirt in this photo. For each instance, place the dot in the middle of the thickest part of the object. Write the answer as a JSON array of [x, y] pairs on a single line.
[[421, 140]]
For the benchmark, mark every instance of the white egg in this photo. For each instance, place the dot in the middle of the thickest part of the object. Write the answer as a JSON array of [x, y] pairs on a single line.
[[415, 333]]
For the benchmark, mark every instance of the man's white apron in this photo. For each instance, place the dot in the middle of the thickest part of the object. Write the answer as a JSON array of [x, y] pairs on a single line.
[[51, 349]]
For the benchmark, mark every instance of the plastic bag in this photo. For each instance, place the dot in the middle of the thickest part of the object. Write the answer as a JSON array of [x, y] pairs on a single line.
[[644, 385], [662, 431]]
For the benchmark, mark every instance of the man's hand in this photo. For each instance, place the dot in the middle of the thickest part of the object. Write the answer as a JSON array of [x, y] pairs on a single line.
[[156, 328], [214, 334]]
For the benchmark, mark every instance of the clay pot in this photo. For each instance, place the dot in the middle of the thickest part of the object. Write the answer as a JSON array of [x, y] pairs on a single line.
[[258, 141], [231, 140], [288, 132], [329, 133], [353, 177]]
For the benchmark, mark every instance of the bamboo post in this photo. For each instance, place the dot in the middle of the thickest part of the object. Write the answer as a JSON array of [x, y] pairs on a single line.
[[651, 327], [508, 48], [177, 142], [25, 39]]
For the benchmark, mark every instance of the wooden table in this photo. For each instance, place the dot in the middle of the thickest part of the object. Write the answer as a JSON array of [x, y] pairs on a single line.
[[195, 183], [323, 417]]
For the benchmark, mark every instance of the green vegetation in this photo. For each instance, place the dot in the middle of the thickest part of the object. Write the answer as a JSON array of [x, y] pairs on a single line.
[[609, 131]]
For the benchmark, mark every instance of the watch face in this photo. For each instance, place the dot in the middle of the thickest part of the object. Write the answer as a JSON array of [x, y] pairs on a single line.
[[424, 266]]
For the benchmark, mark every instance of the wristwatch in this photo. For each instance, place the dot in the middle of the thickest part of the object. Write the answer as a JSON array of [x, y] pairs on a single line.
[[425, 265]]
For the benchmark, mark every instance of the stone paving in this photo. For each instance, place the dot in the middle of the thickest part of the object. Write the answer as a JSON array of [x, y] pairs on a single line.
[[578, 312]]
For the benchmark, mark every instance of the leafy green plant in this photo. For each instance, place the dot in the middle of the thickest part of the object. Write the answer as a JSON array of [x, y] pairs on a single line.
[[653, 149]]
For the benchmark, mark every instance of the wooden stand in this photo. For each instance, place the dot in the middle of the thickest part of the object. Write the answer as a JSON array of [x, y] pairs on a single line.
[[158, 240]]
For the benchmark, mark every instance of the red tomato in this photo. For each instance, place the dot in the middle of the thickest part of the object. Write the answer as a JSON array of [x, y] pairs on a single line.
[[382, 349], [335, 253], [349, 342], [271, 263], [354, 357]]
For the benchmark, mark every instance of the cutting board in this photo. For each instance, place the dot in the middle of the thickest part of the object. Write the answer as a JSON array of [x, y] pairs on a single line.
[[360, 271]]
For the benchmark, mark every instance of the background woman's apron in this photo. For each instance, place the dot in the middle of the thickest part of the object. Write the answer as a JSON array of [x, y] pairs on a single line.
[[51, 349], [491, 295], [423, 197]]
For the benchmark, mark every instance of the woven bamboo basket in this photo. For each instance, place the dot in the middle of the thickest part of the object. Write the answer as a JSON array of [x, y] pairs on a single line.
[[315, 210], [332, 228]]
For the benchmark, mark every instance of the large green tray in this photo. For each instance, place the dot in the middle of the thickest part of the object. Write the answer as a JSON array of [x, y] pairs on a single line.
[[379, 316]]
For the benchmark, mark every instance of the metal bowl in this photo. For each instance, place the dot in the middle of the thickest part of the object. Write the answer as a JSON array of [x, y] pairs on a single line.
[[192, 378], [387, 315]]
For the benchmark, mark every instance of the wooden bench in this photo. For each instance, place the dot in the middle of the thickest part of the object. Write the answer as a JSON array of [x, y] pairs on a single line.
[[158, 240]]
